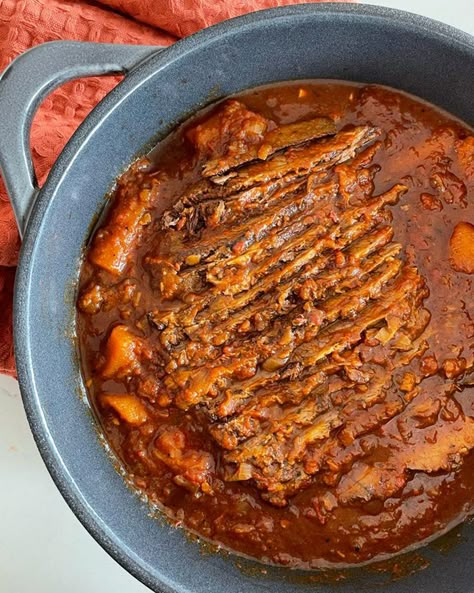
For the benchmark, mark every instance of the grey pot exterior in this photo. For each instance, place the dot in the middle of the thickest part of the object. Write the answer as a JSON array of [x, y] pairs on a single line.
[[357, 43]]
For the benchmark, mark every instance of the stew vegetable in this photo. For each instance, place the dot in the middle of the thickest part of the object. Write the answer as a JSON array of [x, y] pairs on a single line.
[[276, 323]]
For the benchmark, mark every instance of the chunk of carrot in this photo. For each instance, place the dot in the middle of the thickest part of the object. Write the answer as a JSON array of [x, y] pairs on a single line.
[[461, 247], [114, 244], [128, 407], [465, 150], [121, 353]]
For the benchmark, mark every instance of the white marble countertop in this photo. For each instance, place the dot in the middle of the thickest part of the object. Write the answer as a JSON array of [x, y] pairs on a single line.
[[43, 547]]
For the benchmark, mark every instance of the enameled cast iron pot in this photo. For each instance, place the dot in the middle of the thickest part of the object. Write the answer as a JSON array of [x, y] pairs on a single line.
[[161, 87]]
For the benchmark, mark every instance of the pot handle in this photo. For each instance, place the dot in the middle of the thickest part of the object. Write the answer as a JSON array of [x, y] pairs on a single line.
[[26, 83]]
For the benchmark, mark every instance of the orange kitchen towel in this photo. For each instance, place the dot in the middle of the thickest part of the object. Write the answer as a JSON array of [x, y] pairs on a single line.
[[24, 23]]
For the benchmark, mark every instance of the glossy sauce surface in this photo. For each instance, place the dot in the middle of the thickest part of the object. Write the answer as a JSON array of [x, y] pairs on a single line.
[[381, 488]]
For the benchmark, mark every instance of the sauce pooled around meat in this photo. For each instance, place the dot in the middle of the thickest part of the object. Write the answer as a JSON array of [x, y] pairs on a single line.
[[276, 323]]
